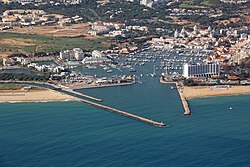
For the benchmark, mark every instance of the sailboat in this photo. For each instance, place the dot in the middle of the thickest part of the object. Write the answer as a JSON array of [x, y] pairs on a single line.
[[154, 73]]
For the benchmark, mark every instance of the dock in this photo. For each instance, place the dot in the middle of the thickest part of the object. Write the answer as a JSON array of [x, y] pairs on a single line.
[[126, 114]]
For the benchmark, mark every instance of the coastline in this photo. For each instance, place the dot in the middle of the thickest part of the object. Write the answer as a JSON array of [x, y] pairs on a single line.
[[210, 91], [42, 95], [193, 92]]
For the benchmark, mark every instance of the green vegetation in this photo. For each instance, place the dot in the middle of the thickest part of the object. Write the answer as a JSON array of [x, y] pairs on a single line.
[[188, 6], [69, 43], [130, 13], [23, 77], [196, 3], [26, 43], [189, 82], [16, 87], [11, 86]]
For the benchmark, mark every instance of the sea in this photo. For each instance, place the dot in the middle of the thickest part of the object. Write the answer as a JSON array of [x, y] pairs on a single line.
[[74, 134]]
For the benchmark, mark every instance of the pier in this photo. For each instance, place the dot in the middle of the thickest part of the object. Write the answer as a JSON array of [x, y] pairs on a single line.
[[184, 102], [183, 99], [81, 97], [126, 114]]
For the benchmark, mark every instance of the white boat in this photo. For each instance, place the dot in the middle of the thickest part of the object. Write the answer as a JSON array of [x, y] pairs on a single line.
[[154, 73]]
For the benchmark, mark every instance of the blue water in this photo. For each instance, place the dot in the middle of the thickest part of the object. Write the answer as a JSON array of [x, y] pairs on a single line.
[[73, 134]]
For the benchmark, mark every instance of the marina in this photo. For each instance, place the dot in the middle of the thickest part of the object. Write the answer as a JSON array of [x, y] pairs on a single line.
[[126, 71]]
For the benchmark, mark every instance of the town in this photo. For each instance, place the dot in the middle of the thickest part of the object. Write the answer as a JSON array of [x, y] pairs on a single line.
[[117, 83], [202, 57], [191, 54]]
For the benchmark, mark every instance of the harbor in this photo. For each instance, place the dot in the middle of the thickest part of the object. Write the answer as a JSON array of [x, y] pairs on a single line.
[[142, 68], [82, 97], [130, 71]]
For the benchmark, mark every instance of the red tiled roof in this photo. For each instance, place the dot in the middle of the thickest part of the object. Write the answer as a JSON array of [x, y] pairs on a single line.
[[232, 77]]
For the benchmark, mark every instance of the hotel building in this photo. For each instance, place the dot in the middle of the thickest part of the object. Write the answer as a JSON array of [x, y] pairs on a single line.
[[201, 70]]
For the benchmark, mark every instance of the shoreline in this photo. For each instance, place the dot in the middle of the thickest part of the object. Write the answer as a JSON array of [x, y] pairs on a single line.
[[32, 101], [188, 92], [196, 92], [222, 95], [43, 95]]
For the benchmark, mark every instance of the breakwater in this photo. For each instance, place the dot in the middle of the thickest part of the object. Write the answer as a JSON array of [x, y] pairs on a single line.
[[126, 114], [184, 102], [81, 94], [81, 97], [183, 99]]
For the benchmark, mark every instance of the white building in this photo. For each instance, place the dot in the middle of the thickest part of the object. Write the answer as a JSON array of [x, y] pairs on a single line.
[[71, 1], [176, 34], [235, 1], [243, 36], [65, 55], [150, 3], [8, 61], [97, 54], [97, 58], [201, 70], [78, 54], [23, 61]]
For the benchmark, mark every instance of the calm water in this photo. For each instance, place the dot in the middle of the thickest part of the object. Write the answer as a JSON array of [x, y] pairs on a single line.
[[73, 134]]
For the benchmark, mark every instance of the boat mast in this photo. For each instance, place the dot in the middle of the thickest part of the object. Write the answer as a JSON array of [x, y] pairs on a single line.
[[154, 73], [166, 72]]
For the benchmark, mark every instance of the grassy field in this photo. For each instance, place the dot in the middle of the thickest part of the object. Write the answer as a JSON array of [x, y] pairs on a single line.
[[17, 87], [28, 43], [199, 4], [11, 86], [73, 30]]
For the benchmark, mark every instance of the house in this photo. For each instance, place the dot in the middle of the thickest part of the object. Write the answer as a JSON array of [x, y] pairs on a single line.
[[8, 61]]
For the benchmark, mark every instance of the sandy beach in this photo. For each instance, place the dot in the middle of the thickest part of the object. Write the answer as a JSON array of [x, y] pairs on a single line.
[[207, 91], [33, 96]]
